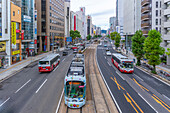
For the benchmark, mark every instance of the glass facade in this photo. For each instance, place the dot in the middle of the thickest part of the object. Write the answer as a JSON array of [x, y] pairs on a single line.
[[27, 18]]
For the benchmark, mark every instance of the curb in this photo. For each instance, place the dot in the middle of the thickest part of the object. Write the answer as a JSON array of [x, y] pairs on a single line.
[[167, 82]]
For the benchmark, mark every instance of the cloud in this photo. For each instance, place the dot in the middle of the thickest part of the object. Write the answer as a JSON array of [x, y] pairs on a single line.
[[106, 12]]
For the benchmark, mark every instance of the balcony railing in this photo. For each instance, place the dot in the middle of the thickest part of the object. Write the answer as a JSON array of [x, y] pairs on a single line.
[[146, 17], [146, 9], [145, 2], [145, 24]]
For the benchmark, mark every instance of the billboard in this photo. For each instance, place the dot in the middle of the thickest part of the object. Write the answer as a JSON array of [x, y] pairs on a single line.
[[2, 46], [13, 32]]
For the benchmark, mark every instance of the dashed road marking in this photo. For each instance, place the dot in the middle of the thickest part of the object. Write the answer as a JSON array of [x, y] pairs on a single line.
[[23, 86], [4, 102], [41, 86]]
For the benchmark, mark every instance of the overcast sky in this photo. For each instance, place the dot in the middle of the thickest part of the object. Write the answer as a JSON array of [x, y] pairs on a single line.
[[100, 10]]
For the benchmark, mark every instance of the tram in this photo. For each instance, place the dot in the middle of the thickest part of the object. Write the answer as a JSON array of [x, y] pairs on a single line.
[[75, 85]]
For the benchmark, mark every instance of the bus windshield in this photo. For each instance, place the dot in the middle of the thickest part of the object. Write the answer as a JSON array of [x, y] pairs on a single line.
[[75, 89], [127, 65], [44, 62]]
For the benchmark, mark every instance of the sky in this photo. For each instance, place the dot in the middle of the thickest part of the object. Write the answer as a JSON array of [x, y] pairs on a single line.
[[100, 10]]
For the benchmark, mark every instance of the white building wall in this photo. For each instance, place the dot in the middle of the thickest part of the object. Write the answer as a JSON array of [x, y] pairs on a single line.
[[67, 19], [132, 16], [6, 26], [120, 15]]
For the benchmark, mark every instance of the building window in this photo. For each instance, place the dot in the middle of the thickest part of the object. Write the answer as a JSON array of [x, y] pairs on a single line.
[[156, 13], [160, 21], [160, 4], [50, 14], [156, 21], [13, 13], [157, 28], [160, 12], [156, 4], [18, 11], [50, 7]]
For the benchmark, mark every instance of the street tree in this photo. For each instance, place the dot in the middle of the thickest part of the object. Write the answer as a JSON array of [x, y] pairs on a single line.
[[113, 35], [117, 40], [108, 36], [95, 36], [168, 53], [137, 46], [89, 37], [152, 48], [99, 35], [75, 34]]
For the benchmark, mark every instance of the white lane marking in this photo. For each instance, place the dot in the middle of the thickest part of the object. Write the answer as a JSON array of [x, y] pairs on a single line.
[[41, 86], [153, 76], [138, 77], [56, 68], [59, 101], [63, 60], [109, 63], [120, 75], [105, 57], [166, 97], [120, 111], [23, 86], [4, 102], [148, 103]]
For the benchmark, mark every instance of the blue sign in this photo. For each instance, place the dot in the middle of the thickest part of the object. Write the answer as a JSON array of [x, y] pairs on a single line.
[[31, 42], [69, 39], [35, 30]]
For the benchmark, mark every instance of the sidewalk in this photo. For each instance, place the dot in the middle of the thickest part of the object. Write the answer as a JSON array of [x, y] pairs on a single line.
[[158, 67], [13, 69]]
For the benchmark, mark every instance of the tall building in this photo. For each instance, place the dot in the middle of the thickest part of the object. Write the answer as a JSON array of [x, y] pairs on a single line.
[[166, 26], [27, 17], [112, 23], [132, 16], [119, 16], [89, 25], [98, 31], [82, 22], [150, 15], [15, 33], [5, 50], [50, 24], [73, 21], [67, 17]]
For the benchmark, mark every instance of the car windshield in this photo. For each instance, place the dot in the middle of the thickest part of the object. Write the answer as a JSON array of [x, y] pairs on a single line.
[[74, 89], [44, 62], [127, 65]]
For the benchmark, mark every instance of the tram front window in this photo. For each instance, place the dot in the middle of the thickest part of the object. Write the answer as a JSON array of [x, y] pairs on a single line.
[[75, 89]]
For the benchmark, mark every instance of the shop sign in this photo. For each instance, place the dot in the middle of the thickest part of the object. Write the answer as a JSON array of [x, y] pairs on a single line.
[[17, 31], [35, 41], [2, 46], [22, 34], [45, 40], [16, 52], [13, 32]]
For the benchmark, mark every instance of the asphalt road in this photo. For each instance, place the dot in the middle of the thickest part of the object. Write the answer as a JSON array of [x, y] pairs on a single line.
[[138, 92], [32, 92]]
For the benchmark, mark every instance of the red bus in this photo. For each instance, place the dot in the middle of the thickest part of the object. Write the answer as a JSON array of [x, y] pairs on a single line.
[[48, 63], [124, 64]]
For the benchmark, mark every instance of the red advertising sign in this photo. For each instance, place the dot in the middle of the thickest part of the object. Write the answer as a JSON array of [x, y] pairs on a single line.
[[22, 34], [35, 41], [45, 40], [17, 31]]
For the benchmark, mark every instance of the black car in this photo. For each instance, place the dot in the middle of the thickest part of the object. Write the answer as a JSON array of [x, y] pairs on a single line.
[[65, 53]]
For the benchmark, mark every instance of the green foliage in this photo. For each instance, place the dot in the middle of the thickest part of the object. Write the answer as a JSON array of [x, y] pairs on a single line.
[[95, 36], [89, 37], [99, 35], [108, 36], [75, 34], [168, 53], [123, 41], [113, 35], [152, 48], [117, 40], [137, 45]]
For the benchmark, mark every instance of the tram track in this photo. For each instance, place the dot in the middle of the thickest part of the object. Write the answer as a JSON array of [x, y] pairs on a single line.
[[69, 110]]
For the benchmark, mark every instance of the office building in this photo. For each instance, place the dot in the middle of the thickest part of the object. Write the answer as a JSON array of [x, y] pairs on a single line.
[[150, 15], [50, 24], [67, 17], [5, 50], [89, 25], [112, 24], [165, 29]]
